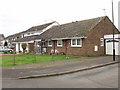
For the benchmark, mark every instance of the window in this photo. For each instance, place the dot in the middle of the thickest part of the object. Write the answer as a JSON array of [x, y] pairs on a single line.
[[73, 42], [102, 42], [50, 43], [76, 42], [59, 43]]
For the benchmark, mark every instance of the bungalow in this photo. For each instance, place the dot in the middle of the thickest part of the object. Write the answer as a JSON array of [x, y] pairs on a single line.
[[80, 38]]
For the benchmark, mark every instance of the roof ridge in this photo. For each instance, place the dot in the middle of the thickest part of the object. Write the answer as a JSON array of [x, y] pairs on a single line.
[[102, 17]]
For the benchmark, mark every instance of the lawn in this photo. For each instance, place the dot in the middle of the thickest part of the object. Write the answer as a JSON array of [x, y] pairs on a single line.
[[8, 60]]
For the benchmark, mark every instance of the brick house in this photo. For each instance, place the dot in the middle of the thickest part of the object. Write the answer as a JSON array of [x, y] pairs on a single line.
[[80, 38]]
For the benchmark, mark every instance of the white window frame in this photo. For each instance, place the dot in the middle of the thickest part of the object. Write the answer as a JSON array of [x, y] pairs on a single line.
[[58, 43], [101, 42], [76, 43], [49, 45]]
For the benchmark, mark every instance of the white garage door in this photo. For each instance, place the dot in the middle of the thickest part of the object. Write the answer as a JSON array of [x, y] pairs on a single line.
[[109, 47]]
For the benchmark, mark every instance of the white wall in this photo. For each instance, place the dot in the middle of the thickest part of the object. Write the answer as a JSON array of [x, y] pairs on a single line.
[[40, 31], [34, 33], [17, 47]]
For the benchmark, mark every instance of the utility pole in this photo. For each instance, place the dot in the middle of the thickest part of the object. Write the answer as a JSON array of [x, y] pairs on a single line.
[[113, 32]]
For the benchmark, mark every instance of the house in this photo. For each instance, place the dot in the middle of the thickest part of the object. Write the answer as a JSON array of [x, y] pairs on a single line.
[[1, 39], [28, 36], [79, 38]]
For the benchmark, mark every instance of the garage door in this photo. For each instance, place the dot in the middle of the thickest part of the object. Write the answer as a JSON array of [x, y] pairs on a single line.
[[109, 47]]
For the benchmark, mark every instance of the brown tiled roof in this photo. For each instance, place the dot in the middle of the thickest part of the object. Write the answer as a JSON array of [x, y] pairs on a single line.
[[28, 38], [35, 28], [74, 29]]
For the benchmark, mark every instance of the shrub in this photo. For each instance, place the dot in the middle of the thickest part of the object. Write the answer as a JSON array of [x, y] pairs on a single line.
[[13, 52], [5, 52], [20, 51]]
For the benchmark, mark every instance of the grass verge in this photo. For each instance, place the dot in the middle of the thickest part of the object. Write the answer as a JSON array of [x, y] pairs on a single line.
[[11, 60]]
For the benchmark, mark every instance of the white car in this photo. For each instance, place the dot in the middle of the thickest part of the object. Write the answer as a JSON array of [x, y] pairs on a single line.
[[5, 49]]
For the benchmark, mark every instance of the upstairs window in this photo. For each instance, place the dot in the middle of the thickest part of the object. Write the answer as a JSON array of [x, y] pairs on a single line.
[[76, 42], [59, 43]]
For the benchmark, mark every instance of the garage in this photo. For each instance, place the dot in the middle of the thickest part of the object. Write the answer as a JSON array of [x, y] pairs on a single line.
[[109, 44]]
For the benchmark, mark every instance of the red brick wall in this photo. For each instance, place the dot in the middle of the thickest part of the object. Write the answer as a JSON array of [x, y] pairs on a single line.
[[31, 47], [93, 39]]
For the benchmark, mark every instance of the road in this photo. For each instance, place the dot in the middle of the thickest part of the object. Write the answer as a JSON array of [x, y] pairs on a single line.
[[104, 77]]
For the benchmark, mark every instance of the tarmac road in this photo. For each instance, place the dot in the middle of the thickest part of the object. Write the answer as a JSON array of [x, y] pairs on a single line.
[[103, 77]]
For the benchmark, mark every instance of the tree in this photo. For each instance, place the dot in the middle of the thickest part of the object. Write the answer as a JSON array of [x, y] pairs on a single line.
[[5, 44], [24, 46]]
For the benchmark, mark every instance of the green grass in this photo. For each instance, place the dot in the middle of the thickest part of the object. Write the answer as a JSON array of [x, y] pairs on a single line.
[[8, 60]]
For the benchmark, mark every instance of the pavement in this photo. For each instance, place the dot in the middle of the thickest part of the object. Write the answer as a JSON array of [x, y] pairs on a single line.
[[56, 67]]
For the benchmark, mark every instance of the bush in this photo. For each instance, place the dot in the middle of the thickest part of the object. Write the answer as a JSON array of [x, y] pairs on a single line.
[[20, 51], [10, 52], [5, 52], [13, 52]]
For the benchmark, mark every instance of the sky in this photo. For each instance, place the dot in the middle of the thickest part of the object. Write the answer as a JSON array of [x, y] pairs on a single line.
[[20, 15]]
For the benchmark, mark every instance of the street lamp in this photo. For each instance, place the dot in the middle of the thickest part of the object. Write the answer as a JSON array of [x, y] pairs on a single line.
[[113, 32]]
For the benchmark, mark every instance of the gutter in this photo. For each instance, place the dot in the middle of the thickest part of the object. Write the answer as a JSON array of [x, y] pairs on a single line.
[[68, 38]]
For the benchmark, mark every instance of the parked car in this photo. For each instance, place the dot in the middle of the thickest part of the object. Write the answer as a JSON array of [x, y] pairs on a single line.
[[5, 49]]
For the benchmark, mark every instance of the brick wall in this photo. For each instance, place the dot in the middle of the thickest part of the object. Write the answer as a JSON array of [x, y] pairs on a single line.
[[31, 47]]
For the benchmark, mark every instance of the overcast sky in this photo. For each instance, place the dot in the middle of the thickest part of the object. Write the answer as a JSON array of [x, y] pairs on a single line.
[[19, 15]]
